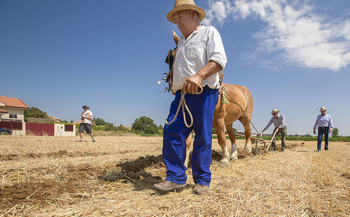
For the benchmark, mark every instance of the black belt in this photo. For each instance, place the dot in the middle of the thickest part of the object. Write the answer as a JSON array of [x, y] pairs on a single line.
[[323, 127]]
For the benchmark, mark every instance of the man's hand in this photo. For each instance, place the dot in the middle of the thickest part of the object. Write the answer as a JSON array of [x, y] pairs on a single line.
[[314, 131], [191, 84]]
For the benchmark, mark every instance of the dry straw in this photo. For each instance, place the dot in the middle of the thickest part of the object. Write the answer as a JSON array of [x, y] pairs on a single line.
[[59, 176]]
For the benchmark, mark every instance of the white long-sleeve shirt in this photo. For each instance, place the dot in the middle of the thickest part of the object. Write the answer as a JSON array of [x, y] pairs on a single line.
[[194, 53], [323, 121], [278, 122]]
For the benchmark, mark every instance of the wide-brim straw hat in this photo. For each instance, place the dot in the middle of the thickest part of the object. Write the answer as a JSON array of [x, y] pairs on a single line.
[[185, 5], [274, 111], [323, 109]]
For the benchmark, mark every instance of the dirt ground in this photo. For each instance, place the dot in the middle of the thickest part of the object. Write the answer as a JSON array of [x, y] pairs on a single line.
[[59, 176]]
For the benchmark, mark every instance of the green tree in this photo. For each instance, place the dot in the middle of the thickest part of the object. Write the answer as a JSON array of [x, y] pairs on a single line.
[[335, 132], [34, 112], [100, 122], [145, 124], [110, 127]]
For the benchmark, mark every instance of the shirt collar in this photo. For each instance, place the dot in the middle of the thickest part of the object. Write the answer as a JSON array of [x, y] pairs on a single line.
[[193, 34]]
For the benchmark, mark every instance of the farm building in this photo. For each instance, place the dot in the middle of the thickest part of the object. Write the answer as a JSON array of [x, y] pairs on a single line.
[[12, 109], [12, 118]]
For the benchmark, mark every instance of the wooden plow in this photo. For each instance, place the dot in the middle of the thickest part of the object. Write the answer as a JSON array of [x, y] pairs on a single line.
[[258, 141]]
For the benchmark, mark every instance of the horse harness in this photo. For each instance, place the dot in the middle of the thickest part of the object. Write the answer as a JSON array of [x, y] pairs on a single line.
[[169, 79]]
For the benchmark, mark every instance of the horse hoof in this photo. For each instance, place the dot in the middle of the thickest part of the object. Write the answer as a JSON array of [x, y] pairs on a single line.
[[234, 158], [248, 150], [224, 163]]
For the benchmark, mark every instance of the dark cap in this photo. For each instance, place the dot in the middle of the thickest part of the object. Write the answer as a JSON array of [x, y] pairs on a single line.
[[85, 106]]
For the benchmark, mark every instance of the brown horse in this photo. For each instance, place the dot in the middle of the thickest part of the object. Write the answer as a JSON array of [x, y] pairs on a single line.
[[240, 107]]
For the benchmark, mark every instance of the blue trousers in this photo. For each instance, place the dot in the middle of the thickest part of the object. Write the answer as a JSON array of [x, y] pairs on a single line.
[[202, 107], [321, 131]]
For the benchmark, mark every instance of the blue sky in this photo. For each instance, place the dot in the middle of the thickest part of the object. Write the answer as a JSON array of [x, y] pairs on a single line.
[[59, 55]]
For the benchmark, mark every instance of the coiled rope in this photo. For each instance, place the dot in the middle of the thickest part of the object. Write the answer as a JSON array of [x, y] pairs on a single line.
[[183, 105]]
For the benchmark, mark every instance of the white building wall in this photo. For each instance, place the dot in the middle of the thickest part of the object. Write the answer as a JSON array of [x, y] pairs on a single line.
[[60, 130], [20, 132], [13, 111]]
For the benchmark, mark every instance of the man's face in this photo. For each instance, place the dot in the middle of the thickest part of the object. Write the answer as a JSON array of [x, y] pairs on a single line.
[[323, 112], [184, 21], [275, 115]]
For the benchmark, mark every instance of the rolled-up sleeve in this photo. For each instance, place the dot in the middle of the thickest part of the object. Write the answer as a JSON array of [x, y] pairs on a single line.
[[215, 49]]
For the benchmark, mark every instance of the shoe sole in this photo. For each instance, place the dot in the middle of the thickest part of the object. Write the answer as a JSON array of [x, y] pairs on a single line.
[[170, 188], [199, 192]]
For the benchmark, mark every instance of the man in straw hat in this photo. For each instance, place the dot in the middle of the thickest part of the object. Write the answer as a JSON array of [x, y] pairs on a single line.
[[280, 127], [325, 126], [200, 56]]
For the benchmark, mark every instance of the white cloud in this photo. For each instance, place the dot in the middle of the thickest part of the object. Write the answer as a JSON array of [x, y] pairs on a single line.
[[293, 31]]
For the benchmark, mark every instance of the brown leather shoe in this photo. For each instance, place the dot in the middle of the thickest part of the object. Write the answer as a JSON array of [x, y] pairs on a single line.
[[167, 186], [200, 189]]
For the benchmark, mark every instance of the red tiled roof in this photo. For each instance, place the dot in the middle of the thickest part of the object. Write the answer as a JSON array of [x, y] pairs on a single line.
[[3, 111], [13, 102]]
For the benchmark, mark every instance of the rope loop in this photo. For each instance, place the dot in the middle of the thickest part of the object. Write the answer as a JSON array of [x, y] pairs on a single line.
[[183, 105]]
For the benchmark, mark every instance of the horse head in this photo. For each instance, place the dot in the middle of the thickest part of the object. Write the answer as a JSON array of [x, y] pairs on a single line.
[[170, 59]]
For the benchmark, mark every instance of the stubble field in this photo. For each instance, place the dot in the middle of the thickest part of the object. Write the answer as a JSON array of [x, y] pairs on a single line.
[[59, 176]]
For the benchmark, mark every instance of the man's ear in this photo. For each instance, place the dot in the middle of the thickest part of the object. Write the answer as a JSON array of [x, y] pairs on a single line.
[[194, 14]]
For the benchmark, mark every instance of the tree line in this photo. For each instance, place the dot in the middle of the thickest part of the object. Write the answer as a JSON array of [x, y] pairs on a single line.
[[143, 124]]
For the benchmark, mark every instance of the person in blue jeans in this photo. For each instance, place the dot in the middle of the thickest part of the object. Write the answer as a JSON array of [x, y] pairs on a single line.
[[325, 126], [200, 56]]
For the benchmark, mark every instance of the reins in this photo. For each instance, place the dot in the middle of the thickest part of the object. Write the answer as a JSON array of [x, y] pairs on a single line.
[[184, 105], [225, 92]]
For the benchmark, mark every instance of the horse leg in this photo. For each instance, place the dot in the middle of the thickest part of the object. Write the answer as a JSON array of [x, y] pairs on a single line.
[[219, 126], [188, 146], [247, 133], [232, 136]]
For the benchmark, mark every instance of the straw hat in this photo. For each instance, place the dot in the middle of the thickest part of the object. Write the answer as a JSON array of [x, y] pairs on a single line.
[[274, 111], [185, 5], [323, 109]]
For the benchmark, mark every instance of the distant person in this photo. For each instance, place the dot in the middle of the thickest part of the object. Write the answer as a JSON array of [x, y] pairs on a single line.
[[86, 117], [325, 126], [280, 127], [200, 56]]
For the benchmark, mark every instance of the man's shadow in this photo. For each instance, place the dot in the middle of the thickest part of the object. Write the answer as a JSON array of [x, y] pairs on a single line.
[[136, 171]]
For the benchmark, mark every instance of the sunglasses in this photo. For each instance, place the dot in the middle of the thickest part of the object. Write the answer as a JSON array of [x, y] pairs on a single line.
[[274, 114]]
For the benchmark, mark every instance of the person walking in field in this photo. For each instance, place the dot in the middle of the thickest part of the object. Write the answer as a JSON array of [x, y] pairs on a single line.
[[325, 126], [200, 56], [280, 127], [85, 125]]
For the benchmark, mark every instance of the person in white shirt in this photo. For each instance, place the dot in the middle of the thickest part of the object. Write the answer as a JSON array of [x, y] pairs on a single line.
[[86, 117], [200, 56]]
